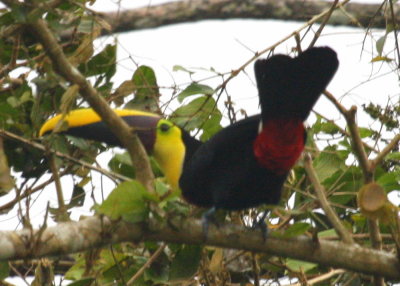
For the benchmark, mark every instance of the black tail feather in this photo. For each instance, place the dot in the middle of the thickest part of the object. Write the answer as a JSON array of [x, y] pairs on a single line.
[[291, 86]]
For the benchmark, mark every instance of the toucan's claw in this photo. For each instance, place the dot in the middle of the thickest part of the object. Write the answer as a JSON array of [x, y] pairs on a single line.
[[207, 217], [260, 223]]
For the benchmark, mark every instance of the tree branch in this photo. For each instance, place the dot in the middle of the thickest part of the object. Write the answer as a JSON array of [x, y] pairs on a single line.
[[330, 213], [95, 231], [288, 10], [389, 147], [358, 147]]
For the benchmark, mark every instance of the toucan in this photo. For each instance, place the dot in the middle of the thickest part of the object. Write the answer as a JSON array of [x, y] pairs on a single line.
[[246, 164], [171, 146]]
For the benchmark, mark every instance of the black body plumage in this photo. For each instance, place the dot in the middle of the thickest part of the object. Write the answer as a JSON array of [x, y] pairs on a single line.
[[224, 172]]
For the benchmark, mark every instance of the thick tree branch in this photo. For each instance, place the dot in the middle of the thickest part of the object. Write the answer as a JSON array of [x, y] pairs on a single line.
[[288, 10], [94, 232]]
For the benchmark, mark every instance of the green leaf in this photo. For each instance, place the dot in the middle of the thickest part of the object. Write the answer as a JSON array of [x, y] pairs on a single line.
[[194, 114], [157, 274], [365, 132], [146, 90], [6, 18], [296, 229], [68, 98], [82, 144], [389, 181], [347, 182], [328, 232], [13, 101], [4, 270], [390, 27], [181, 68], [77, 197], [194, 89], [126, 88], [328, 163], [298, 265], [121, 164], [129, 201], [393, 156], [325, 127], [185, 263], [380, 43], [19, 13], [211, 126], [103, 63]]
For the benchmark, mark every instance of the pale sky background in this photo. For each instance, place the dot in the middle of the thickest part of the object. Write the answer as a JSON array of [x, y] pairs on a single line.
[[226, 45]]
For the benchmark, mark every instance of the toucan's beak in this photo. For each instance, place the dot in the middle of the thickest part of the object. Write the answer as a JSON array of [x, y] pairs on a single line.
[[86, 123]]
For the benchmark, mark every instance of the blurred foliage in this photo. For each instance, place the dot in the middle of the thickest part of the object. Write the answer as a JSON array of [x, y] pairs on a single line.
[[31, 91]]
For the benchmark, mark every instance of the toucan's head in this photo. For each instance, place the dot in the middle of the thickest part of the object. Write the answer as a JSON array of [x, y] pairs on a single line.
[[160, 137]]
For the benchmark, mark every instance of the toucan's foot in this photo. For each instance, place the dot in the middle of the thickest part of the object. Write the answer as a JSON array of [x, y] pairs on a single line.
[[260, 223], [208, 216]]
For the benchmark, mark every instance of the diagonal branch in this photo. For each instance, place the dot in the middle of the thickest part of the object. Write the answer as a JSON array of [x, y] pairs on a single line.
[[389, 147], [358, 148], [343, 233]]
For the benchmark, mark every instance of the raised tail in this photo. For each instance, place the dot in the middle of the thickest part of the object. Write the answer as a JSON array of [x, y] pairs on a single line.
[[291, 86]]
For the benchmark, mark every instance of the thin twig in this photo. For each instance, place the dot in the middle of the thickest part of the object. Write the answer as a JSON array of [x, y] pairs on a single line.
[[322, 277], [256, 269], [389, 147], [344, 132], [111, 175], [60, 196], [323, 24], [343, 233], [7, 206], [313, 20], [335, 102], [147, 264]]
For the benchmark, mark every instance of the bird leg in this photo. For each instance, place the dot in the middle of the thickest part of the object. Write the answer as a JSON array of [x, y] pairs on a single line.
[[207, 217], [260, 223]]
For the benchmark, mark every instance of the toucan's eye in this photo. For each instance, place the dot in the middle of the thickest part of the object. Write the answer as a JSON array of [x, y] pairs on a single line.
[[164, 127]]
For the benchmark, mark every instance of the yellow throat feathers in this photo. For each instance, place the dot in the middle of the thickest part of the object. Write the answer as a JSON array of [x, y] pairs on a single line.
[[169, 151]]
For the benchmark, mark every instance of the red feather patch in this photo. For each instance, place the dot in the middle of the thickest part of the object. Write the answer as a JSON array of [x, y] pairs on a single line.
[[279, 144]]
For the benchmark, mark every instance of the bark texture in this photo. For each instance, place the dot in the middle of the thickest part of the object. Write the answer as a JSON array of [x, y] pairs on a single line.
[[351, 14], [95, 231]]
